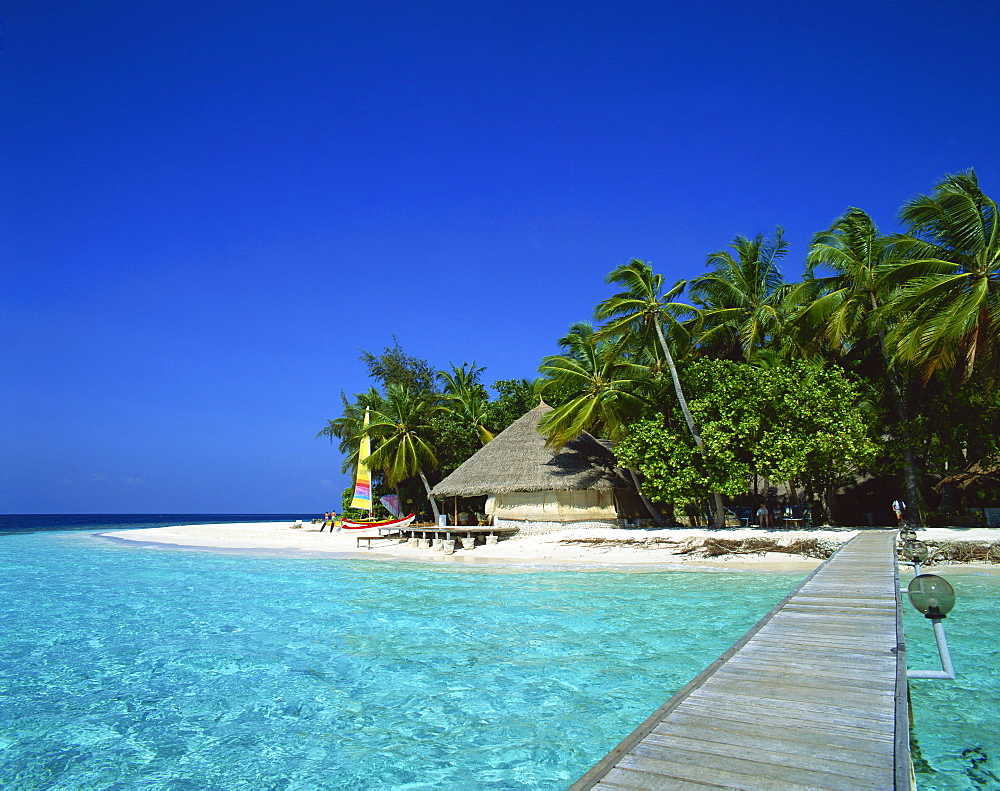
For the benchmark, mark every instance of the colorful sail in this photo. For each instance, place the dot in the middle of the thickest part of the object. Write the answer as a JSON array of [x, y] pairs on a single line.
[[392, 505], [363, 480]]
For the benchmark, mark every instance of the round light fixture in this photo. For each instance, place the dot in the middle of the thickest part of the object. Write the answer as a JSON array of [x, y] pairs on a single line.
[[915, 551], [931, 595]]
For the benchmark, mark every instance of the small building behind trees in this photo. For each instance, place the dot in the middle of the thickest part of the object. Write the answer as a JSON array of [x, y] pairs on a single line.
[[537, 489]]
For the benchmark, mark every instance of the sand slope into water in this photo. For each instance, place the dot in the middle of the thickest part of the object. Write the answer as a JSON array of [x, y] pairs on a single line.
[[655, 547]]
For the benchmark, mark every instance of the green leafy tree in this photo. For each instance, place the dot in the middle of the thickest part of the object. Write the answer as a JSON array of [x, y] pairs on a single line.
[[395, 367], [453, 438], [956, 428], [674, 470], [818, 430], [515, 398], [794, 421], [846, 309]]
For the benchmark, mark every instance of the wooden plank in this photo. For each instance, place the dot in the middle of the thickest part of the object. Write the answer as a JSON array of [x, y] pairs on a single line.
[[653, 746], [744, 772], [793, 718], [808, 698], [636, 781], [805, 755], [755, 729], [801, 711], [860, 683], [773, 692]]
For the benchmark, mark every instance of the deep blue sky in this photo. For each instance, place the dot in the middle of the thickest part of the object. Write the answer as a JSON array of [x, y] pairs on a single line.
[[207, 208]]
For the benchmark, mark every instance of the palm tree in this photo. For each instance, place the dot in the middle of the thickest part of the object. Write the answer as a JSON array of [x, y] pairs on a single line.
[[466, 398], [642, 306], [400, 426], [740, 297], [948, 311], [846, 303], [461, 377], [604, 389], [850, 308], [348, 427]]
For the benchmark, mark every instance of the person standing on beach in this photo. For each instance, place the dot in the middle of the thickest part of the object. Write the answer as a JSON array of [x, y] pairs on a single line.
[[899, 506]]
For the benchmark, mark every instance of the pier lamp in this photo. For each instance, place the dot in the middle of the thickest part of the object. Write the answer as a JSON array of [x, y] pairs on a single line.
[[915, 551], [931, 595], [908, 534], [934, 597]]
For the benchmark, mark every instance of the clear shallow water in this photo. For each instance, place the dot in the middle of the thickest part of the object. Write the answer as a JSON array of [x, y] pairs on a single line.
[[957, 723], [141, 668], [131, 668]]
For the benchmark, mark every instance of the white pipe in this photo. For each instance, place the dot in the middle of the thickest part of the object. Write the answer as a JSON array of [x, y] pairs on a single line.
[[916, 572], [947, 670]]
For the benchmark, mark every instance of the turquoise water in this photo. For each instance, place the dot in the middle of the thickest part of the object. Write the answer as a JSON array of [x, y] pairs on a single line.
[[143, 668], [139, 668], [957, 723]]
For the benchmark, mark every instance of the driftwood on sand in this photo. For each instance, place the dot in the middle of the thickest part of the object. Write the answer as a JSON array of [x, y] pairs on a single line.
[[709, 546], [962, 552], [941, 552]]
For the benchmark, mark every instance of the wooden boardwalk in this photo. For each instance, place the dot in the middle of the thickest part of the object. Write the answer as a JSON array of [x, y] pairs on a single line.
[[813, 697]]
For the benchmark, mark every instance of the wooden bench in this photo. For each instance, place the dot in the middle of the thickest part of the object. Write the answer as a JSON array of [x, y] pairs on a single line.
[[369, 539]]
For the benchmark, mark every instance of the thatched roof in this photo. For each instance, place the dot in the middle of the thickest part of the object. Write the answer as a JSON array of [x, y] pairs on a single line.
[[973, 476], [517, 460]]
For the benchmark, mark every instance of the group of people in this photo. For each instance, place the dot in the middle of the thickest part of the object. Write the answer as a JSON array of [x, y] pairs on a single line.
[[768, 516], [329, 520], [775, 516]]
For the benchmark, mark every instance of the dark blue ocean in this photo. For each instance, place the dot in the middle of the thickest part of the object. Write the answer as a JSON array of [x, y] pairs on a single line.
[[148, 667], [15, 523]]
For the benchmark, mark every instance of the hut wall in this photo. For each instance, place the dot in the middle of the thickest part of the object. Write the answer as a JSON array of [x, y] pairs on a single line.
[[580, 505], [534, 528]]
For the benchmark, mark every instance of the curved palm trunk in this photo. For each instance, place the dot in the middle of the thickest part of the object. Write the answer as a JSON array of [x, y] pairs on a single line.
[[430, 497], [719, 520], [653, 512]]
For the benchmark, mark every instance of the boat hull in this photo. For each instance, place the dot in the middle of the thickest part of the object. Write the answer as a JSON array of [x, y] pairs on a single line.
[[350, 524]]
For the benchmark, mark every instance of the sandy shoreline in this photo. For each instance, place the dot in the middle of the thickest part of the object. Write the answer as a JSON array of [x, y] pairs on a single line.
[[657, 548]]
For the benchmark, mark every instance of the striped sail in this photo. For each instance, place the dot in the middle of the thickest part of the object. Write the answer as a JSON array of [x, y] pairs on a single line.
[[363, 481]]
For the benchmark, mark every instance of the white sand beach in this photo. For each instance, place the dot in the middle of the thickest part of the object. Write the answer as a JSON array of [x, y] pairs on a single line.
[[678, 548]]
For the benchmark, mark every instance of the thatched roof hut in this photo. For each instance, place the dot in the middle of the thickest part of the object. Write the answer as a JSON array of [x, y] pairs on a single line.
[[527, 480]]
